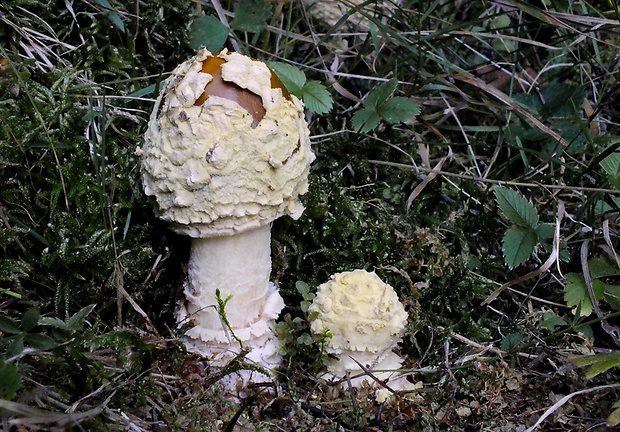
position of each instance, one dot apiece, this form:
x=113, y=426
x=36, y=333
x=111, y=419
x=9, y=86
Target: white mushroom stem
x=239, y=267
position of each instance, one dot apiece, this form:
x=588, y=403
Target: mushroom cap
x=227, y=148
x=361, y=311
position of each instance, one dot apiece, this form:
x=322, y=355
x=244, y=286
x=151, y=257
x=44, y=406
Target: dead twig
x=565, y=399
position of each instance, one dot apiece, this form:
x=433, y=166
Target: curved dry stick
x=565, y=399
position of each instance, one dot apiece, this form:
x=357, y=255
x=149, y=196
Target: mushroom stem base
x=239, y=267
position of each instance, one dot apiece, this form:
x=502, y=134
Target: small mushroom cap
x=361, y=311
x=227, y=148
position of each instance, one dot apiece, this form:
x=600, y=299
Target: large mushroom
x=365, y=319
x=226, y=152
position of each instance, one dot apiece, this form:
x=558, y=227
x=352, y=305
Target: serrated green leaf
x=39, y=341
x=365, y=120
x=316, y=97
x=77, y=319
x=8, y=326
x=550, y=321
x=518, y=244
x=516, y=208
x=292, y=77
x=576, y=293
x=380, y=93
x=209, y=32
x=398, y=109
x=30, y=319
x=560, y=99
x=10, y=380
x=251, y=15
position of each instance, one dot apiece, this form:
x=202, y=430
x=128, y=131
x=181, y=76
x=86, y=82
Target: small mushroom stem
x=239, y=266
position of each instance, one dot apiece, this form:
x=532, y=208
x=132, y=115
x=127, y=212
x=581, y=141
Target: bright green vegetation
x=460, y=146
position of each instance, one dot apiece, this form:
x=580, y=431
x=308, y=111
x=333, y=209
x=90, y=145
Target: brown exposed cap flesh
x=251, y=102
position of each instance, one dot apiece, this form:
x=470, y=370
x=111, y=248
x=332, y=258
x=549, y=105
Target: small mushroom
x=227, y=151
x=365, y=319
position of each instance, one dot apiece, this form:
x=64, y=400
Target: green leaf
x=316, y=97
x=612, y=296
x=8, y=326
x=550, y=321
x=53, y=322
x=398, y=109
x=611, y=164
x=153, y=88
x=209, y=32
x=39, y=341
x=614, y=417
x=372, y=29
x=30, y=319
x=501, y=21
x=305, y=339
x=292, y=77
x=576, y=293
x=516, y=207
x=112, y=16
x=302, y=287
x=77, y=319
x=603, y=266
x=559, y=99
x=598, y=363
x=251, y=15
x=10, y=380
x=380, y=93
x=365, y=120
x=511, y=341
x=545, y=231
x=15, y=348
x=518, y=244
x=586, y=330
